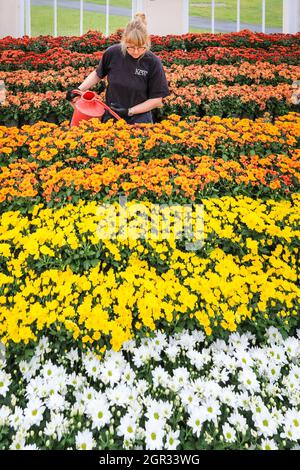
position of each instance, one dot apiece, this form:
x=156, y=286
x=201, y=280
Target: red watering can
x=89, y=106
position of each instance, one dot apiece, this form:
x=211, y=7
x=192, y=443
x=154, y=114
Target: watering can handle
x=110, y=111
x=77, y=92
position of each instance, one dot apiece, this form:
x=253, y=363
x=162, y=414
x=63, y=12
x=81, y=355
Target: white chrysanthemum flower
x=127, y=427
x=128, y=375
x=265, y=424
x=181, y=376
x=58, y=425
x=268, y=444
x=219, y=346
x=212, y=408
x=50, y=370
x=199, y=387
x=156, y=413
x=25, y=369
x=230, y=363
x=5, y=381
x=141, y=386
x=292, y=347
x=243, y=400
x=98, y=410
x=224, y=376
x=277, y=415
x=132, y=396
x=172, y=440
x=43, y=346
x=198, y=336
x=244, y=358
x=49, y=429
x=215, y=375
x=53, y=386
x=257, y=405
x=186, y=341
x=153, y=436
x=142, y=356
x=294, y=373
x=93, y=368
x=118, y=395
x=129, y=346
x=136, y=410
x=76, y=380
x=172, y=351
x=239, y=341
x=196, y=358
x=84, y=440
x=272, y=371
x=17, y=443
x=5, y=413
x=87, y=394
x=238, y=422
x=228, y=433
x=228, y=396
x=116, y=357
x=160, y=377
x=259, y=356
x=188, y=397
x=34, y=388
x=291, y=386
x=167, y=409
x=277, y=353
x=196, y=419
x=56, y=402
x=212, y=389
x=292, y=425
x=273, y=335
x=72, y=355
x=159, y=342
x=34, y=412
x=249, y=380
x=16, y=418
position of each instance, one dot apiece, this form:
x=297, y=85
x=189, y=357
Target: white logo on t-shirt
x=141, y=72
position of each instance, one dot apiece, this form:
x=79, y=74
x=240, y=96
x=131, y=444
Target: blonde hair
x=136, y=33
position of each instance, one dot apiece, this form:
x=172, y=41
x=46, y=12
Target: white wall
x=11, y=18
x=164, y=16
x=291, y=16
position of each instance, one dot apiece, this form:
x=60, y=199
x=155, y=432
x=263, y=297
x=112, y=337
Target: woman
x=136, y=78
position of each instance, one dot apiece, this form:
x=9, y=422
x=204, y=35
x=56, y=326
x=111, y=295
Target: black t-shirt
x=132, y=81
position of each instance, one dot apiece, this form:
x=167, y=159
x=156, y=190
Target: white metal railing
x=238, y=15
x=25, y=15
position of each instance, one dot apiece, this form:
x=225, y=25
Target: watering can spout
x=89, y=106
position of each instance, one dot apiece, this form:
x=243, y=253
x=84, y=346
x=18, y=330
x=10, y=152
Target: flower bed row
x=186, y=98
x=71, y=271
x=94, y=41
x=164, y=392
x=57, y=58
x=179, y=178
x=177, y=75
x=211, y=135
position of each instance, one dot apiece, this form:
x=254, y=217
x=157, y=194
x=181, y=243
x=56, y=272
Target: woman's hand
x=122, y=112
x=71, y=94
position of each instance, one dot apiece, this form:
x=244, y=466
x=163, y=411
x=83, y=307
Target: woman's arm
x=147, y=105
x=91, y=80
